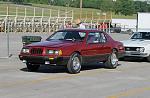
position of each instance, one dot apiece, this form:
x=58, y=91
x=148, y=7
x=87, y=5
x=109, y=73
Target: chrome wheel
x=114, y=59
x=76, y=64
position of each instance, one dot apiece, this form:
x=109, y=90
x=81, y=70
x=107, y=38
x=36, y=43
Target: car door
x=91, y=49
x=104, y=47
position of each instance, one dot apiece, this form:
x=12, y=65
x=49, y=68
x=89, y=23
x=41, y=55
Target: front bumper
x=136, y=54
x=45, y=60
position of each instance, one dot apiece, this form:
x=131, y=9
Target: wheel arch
x=79, y=54
x=116, y=51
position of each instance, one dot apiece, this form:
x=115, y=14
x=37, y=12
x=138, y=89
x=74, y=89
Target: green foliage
x=141, y=7
x=106, y=5
x=124, y=7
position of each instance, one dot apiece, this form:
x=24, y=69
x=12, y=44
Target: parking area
x=15, y=41
x=131, y=79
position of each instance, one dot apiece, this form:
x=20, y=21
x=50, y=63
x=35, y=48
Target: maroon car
x=73, y=48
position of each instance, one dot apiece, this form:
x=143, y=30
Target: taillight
x=121, y=47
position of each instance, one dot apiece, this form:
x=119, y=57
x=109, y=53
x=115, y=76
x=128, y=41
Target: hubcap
x=76, y=63
x=114, y=59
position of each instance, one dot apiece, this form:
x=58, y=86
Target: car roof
x=83, y=30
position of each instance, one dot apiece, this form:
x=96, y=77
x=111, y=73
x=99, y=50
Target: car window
x=59, y=35
x=93, y=37
x=82, y=34
x=137, y=36
x=141, y=35
x=67, y=35
x=102, y=38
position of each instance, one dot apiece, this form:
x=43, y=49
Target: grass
x=86, y=12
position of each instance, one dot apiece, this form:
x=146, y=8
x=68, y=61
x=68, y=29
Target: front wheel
x=32, y=67
x=112, y=61
x=74, y=63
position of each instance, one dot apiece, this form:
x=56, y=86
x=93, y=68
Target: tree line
x=124, y=7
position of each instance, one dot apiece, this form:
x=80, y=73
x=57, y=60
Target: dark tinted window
x=141, y=35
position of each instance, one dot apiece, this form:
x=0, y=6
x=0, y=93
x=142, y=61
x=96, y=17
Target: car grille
x=131, y=48
x=36, y=51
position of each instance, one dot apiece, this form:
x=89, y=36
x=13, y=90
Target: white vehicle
x=138, y=45
x=143, y=21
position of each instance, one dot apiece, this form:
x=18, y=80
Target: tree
x=106, y=5
x=141, y=6
x=124, y=7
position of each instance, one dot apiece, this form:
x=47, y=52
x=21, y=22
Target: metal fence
x=29, y=19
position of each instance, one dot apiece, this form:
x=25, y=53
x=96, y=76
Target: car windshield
x=141, y=35
x=67, y=35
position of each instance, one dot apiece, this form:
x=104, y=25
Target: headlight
x=140, y=49
x=25, y=50
x=55, y=52
x=50, y=51
x=137, y=49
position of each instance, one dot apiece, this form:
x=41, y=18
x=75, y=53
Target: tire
x=32, y=67
x=112, y=61
x=74, y=64
x=148, y=58
x=121, y=59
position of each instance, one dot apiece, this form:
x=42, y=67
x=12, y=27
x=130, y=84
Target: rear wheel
x=74, y=64
x=112, y=61
x=32, y=67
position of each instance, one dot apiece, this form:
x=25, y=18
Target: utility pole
x=81, y=2
x=7, y=31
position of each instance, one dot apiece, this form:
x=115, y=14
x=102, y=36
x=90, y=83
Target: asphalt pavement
x=131, y=79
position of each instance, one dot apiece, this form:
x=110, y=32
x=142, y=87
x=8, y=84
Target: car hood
x=52, y=44
x=136, y=42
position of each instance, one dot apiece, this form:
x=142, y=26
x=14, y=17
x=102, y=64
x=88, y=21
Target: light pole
x=7, y=30
x=81, y=3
